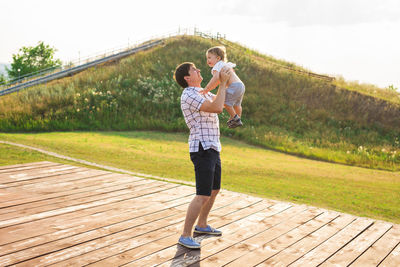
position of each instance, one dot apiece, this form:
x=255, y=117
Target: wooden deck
x=55, y=214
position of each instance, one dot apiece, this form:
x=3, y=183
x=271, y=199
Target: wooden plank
x=23, y=164
x=123, y=252
x=95, y=221
x=297, y=250
x=33, y=229
x=380, y=249
x=89, y=239
x=238, y=253
x=75, y=207
x=6, y=196
x=19, y=185
x=42, y=179
x=26, y=166
x=34, y=190
x=54, y=181
x=7, y=179
x=70, y=209
x=258, y=222
x=19, y=194
x=71, y=182
x=61, y=250
x=266, y=249
x=332, y=245
x=393, y=259
x=85, y=183
x=162, y=233
x=104, y=237
x=359, y=245
x=104, y=193
x=232, y=234
x=159, y=203
x=15, y=174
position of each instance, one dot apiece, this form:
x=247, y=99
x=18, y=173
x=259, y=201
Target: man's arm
x=217, y=105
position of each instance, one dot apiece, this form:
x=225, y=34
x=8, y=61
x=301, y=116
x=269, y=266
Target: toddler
x=217, y=59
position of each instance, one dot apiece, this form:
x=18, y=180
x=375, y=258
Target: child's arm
x=213, y=83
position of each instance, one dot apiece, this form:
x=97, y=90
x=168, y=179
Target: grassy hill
x=283, y=109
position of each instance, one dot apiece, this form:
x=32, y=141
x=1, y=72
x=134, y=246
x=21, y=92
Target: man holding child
x=201, y=115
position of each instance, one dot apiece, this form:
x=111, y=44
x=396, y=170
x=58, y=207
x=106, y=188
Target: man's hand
x=217, y=105
x=225, y=74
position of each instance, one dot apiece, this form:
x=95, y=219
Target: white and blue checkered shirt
x=203, y=126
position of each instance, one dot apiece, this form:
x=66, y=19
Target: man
x=201, y=116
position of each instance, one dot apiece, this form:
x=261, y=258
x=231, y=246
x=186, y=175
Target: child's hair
x=180, y=72
x=218, y=51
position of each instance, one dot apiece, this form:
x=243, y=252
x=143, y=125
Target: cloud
x=314, y=12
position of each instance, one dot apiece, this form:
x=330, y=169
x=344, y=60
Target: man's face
x=195, y=75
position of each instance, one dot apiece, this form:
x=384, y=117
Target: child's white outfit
x=235, y=91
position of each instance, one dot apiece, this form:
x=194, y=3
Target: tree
x=3, y=79
x=32, y=59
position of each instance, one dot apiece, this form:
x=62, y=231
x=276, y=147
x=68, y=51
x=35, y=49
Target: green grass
x=282, y=110
x=246, y=168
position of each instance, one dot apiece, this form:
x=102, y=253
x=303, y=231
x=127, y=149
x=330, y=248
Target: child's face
x=212, y=59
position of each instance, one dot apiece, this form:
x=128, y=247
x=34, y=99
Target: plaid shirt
x=203, y=126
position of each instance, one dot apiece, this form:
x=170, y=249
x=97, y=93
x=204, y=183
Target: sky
x=356, y=39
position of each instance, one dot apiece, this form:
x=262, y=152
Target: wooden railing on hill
x=70, y=70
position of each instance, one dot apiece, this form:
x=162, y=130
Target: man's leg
x=208, y=172
x=206, y=208
x=193, y=212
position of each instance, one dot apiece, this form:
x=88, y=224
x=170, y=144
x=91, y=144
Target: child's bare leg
x=231, y=111
x=238, y=110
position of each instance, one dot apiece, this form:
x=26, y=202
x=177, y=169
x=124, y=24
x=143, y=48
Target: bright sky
x=358, y=39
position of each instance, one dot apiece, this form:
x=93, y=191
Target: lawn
x=247, y=169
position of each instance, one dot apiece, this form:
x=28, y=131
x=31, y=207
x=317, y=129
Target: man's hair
x=218, y=51
x=181, y=71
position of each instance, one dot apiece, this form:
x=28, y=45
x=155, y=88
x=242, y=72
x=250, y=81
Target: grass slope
x=282, y=110
x=247, y=169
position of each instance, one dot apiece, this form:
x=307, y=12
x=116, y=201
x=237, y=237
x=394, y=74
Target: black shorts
x=207, y=166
